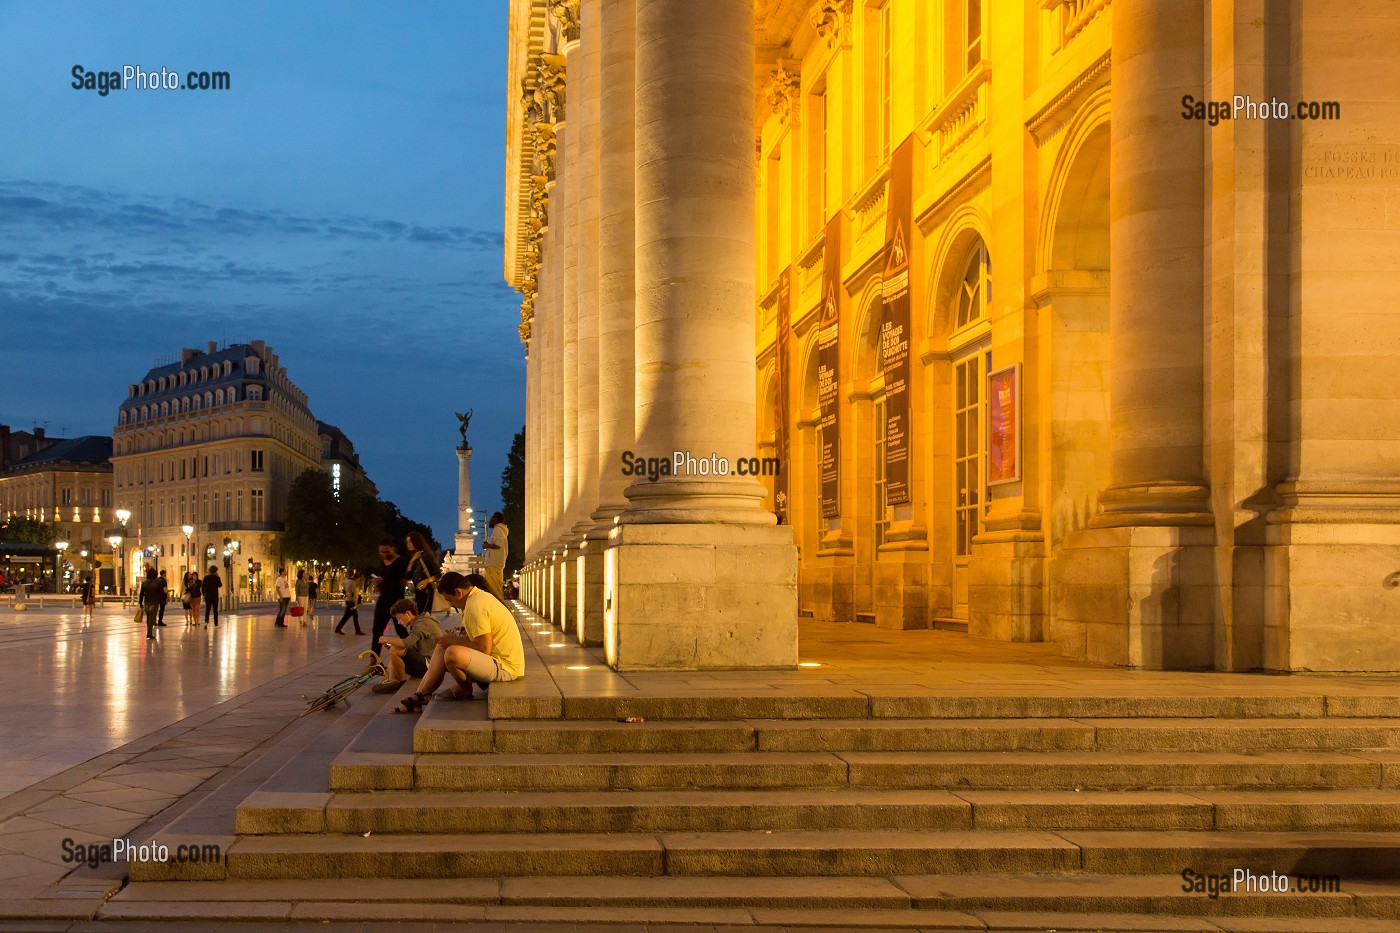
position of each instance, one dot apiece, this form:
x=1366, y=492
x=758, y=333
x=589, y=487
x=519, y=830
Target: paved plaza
x=115, y=738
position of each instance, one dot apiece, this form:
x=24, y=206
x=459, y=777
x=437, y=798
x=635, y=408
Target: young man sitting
x=408, y=656
x=489, y=651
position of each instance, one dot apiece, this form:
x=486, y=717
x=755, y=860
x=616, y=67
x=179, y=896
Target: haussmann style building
x=213, y=441
x=1067, y=321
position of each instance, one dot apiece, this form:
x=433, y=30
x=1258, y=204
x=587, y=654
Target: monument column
x=699, y=575
x=464, y=541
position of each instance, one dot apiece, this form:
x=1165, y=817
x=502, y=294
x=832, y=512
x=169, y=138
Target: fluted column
x=1156, y=323
x=698, y=575
x=616, y=256
x=695, y=196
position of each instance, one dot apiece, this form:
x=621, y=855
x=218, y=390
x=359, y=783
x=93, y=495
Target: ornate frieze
x=545, y=147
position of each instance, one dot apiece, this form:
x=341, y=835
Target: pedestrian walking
x=352, y=603
x=313, y=592
x=391, y=577
x=88, y=592
x=193, y=591
x=148, y=597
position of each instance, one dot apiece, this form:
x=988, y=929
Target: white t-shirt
x=485, y=613
x=283, y=591
x=496, y=557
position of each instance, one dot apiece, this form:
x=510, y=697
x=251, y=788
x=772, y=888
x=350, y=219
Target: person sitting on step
x=408, y=655
x=489, y=651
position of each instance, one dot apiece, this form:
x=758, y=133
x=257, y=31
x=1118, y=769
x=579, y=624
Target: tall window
x=256, y=461
x=972, y=35
x=976, y=287
x=255, y=502
x=967, y=452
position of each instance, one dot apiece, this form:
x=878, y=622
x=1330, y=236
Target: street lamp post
x=115, y=540
x=123, y=516
x=189, y=554
x=230, y=590
x=62, y=548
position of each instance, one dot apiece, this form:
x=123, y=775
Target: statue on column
x=464, y=421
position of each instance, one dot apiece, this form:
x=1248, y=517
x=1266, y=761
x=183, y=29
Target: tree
x=513, y=497
x=312, y=519
x=29, y=531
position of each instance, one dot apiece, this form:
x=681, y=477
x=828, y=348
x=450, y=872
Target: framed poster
x=1004, y=425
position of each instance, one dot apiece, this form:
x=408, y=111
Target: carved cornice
x=832, y=19
x=1050, y=118
x=783, y=87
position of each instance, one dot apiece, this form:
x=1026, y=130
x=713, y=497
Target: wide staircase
x=1071, y=812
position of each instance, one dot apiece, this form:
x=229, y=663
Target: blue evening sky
x=342, y=201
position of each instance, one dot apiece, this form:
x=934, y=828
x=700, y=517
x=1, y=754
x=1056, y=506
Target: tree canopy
x=342, y=530
x=513, y=497
x=28, y=531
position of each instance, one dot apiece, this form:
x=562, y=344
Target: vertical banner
x=780, y=379
x=828, y=370
x=894, y=329
x=1004, y=425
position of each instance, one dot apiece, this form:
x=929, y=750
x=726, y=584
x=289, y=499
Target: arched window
x=208, y=399
x=975, y=289
x=164, y=409
x=219, y=397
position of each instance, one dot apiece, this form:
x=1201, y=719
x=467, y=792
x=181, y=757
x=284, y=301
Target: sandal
x=414, y=703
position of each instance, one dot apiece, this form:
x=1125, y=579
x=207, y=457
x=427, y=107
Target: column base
x=1006, y=586
x=700, y=597
x=1137, y=596
x=588, y=573
x=1332, y=590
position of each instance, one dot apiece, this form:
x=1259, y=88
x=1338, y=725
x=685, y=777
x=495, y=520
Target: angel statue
x=465, y=420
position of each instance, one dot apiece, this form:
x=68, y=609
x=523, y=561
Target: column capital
x=565, y=13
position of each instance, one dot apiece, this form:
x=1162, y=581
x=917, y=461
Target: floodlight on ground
x=558, y=644
x=578, y=667
x=808, y=664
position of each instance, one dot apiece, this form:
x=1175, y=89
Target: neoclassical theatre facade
x=1057, y=325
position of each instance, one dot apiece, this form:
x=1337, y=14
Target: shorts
x=483, y=668
x=414, y=663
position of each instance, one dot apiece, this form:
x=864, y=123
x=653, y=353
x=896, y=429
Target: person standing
x=496, y=548
x=352, y=603
x=211, y=586
x=164, y=598
x=149, y=598
x=313, y=590
x=89, y=595
x=193, y=591
x=283, y=592
x=391, y=577
x=423, y=569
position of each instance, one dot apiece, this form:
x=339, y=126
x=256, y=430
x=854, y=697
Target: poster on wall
x=828, y=371
x=1004, y=425
x=894, y=328
x=780, y=380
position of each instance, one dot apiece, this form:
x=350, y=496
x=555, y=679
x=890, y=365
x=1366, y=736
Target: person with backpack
x=149, y=600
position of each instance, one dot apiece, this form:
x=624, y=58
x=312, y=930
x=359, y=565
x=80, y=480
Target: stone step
x=864, y=808
x=1064, y=770
x=793, y=853
x=810, y=702
x=443, y=732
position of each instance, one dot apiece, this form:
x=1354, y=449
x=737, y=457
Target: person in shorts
x=489, y=650
x=408, y=656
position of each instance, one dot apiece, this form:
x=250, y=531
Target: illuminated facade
x=213, y=441
x=64, y=482
x=1042, y=354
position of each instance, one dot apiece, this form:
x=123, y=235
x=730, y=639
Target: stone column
x=1137, y=586
x=698, y=573
x=568, y=169
x=587, y=623
x=616, y=290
